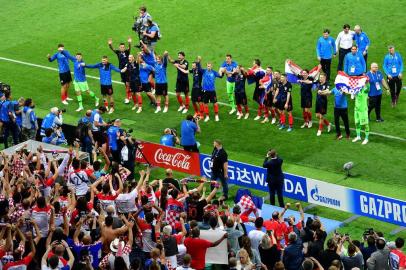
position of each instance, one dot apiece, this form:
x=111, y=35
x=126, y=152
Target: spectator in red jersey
x=397, y=258
x=197, y=248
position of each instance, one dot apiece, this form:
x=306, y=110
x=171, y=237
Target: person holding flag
x=326, y=50
x=361, y=114
x=79, y=81
x=323, y=89
x=255, y=74
x=228, y=67
x=354, y=62
x=265, y=86
x=283, y=101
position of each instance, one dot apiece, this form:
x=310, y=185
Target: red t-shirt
x=197, y=248
x=397, y=258
x=21, y=263
x=277, y=228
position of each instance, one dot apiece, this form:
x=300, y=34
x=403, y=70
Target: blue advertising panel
x=250, y=176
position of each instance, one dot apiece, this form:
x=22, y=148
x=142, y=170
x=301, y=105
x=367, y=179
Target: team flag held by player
x=292, y=71
x=350, y=84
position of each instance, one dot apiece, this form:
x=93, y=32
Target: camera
x=368, y=232
x=174, y=132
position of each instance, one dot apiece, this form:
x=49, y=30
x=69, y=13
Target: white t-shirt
x=125, y=203
x=255, y=236
x=80, y=181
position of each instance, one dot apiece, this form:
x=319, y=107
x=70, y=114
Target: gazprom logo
x=314, y=193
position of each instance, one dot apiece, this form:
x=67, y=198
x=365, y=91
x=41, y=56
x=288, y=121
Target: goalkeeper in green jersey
x=361, y=114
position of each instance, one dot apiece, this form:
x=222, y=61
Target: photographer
x=170, y=138
x=151, y=34
x=84, y=133
x=141, y=21
x=52, y=119
x=54, y=136
x=188, y=129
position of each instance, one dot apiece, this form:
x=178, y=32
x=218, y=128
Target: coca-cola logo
x=178, y=160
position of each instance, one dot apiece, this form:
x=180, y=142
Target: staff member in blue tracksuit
x=51, y=120
x=340, y=110
x=64, y=72
x=376, y=83
x=354, y=62
x=362, y=41
x=106, y=86
x=326, y=50
x=393, y=67
x=8, y=118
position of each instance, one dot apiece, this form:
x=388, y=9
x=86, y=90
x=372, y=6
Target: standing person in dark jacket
x=274, y=176
x=219, y=169
x=293, y=254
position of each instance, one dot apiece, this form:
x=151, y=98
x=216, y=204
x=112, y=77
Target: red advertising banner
x=169, y=157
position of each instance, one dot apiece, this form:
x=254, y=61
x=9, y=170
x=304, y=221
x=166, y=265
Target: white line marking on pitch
x=172, y=93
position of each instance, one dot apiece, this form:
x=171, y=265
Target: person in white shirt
x=256, y=235
x=344, y=44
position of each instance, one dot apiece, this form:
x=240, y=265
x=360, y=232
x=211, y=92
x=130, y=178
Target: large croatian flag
x=292, y=71
x=350, y=84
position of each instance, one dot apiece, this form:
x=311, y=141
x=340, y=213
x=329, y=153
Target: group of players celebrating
x=147, y=72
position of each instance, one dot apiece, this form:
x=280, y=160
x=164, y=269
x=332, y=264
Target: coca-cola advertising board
x=169, y=157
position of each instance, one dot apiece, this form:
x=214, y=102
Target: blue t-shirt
x=145, y=70
x=6, y=107
x=209, y=80
x=168, y=140
x=375, y=83
x=112, y=134
x=187, y=131
x=229, y=68
x=94, y=252
x=340, y=99
x=149, y=58
x=160, y=71
x=63, y=62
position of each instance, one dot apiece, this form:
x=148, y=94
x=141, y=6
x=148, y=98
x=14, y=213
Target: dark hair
x=28, y=102
x=149, y=217
x=122, y=43
x=259, y=222
x=351, y=249
x=380, y=243
x=189, y=117
x=106, y=188
x=41, y=202
x=399, y=242
x=78, y=53
x=53, y=261
x=96, y=165
x=326, y=31
x=163, y=201
x=269, y=67
x=371, y=240
x=331, y=244
x=213, y=222
x=7, y=94
x=76, y=163
x=346, y=26
x=354, y=46
x=257, y=62
x=229, y=55
x=174, y=193
x=143, y=8
x=60, y=45
x=182, y=53
x=195, y=232
x=103, y=109
x=104, y=57
x=48, y=132
x=108, y=221
x=307, y=71
x=119, y=263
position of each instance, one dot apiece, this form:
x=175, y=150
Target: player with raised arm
x=122, y=54
x=182, y=82
x=79, y=78
x=106, y=87
x=64, y=72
